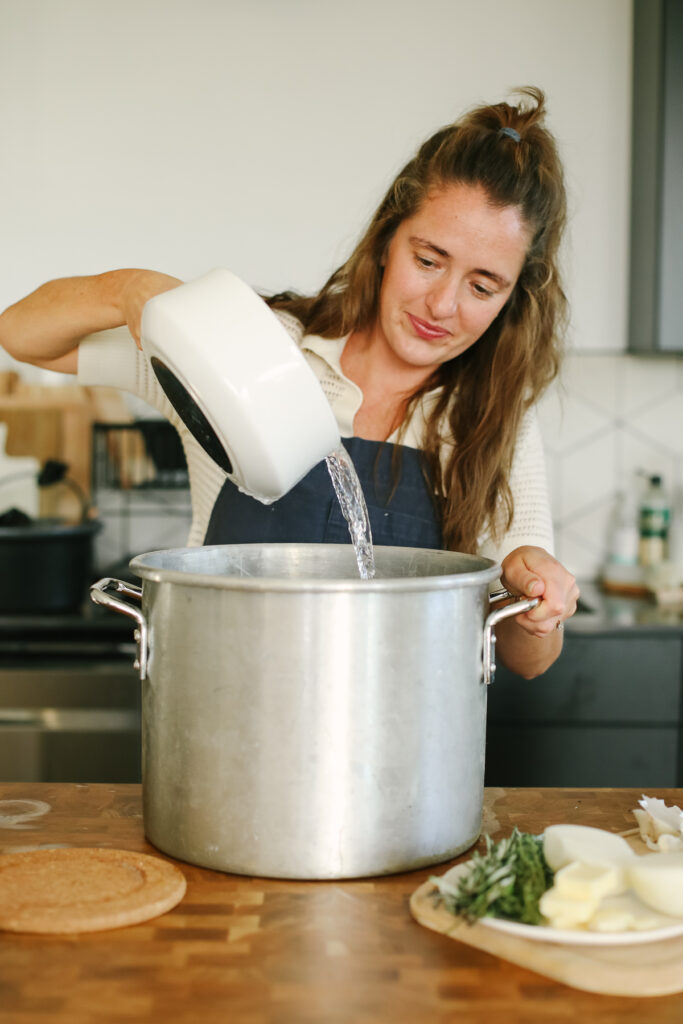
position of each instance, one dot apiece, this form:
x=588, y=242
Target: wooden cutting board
x=52, y=422
x=642, y=969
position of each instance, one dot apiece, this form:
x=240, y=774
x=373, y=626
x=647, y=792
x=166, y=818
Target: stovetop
x=89, y=631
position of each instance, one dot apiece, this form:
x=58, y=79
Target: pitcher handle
x=492, y=620
x=100, y=594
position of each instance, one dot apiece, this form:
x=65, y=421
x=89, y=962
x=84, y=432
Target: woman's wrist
x=135, y=288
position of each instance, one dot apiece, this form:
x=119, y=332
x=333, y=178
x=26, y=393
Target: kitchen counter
x=260, y=951
x=602, y=612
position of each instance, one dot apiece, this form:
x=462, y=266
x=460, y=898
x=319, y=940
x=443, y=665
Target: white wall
x=260, y=134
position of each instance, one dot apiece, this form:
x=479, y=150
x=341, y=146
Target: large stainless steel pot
x=299, y=722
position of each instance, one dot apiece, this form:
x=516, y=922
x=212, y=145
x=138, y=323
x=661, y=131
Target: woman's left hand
x=532, y=572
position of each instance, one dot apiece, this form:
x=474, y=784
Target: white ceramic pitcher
x=239, y=382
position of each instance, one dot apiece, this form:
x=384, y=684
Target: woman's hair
x=484, y=391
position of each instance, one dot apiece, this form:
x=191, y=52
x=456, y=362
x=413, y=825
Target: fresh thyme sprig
x=507, y=881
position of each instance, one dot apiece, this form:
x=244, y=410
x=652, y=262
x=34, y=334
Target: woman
x=432, y=342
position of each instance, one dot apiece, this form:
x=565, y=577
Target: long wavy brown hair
x=486, y=390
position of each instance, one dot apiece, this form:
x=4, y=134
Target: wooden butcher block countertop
x=252, y=951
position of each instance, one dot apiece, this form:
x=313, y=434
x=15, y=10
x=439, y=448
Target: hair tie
x=511, y=133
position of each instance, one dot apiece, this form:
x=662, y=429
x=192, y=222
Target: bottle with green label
x=654, y=520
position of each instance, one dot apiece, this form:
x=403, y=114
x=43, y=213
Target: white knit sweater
x=110, y=359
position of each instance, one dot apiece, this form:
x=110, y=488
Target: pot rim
x=487, y=571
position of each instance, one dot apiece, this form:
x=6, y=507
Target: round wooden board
x=79, y=889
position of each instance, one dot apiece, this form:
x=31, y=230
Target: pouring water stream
x=350, y=496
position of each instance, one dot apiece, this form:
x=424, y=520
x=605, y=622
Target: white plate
x=542, y=933
x=578, y=937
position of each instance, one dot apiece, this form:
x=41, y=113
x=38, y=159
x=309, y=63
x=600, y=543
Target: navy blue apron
x=310, y=512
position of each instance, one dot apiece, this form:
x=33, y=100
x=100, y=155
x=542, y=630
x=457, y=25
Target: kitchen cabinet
x=69, y=698
x=656, y=267
x=70, y=722
x=607, y=713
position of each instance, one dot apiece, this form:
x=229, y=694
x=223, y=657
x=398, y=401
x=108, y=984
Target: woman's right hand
x=138, y=288
x=46, y=327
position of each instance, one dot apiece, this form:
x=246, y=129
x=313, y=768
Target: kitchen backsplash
x=605, y=419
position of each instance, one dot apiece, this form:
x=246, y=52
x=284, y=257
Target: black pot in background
x=46, y=565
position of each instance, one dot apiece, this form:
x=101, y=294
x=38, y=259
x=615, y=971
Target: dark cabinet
x=76, y=720
x=607, y=713
x=656, y=268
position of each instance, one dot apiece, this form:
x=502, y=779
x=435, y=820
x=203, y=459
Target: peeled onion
x=657, y=879
x=563, y=844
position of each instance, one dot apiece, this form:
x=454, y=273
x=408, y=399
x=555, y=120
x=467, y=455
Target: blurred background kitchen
x=259, y=136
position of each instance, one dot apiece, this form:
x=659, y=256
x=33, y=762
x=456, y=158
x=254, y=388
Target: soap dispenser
x=654, y=520
x=624, y=530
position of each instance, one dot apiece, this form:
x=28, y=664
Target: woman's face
x=448, y=272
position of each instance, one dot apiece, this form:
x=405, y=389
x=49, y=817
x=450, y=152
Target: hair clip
x=512, y=133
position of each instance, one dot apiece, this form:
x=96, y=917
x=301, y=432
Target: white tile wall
x=605, y=419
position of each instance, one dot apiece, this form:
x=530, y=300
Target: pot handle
x=99, y=593
x=492, y=620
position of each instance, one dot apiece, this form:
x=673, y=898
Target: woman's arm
x=529, y=643
x=46, y=327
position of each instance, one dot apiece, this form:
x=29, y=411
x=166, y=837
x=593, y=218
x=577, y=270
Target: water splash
x=350, y=495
